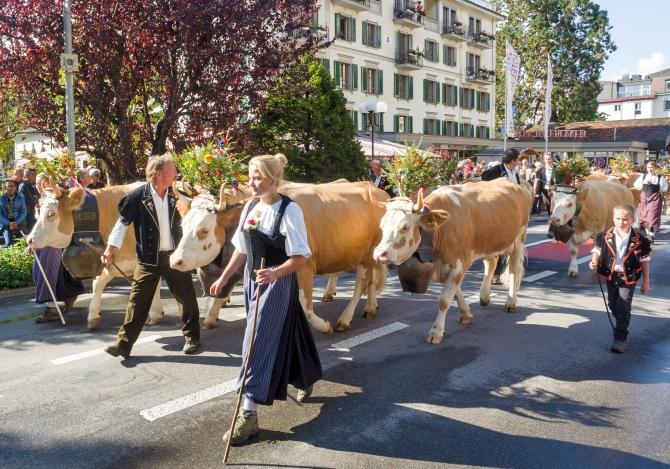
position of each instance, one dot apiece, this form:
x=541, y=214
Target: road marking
x=189, y=400
x=347, y=344
x=98, y=351
x=544, y=241
x=471, y=299
x=538, y=276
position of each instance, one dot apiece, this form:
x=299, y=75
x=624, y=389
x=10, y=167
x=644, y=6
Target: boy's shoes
x=49, y=314
x=191, y=346
x=246, y=427
x=303, y=394
x=618, y=346
x=115, y=351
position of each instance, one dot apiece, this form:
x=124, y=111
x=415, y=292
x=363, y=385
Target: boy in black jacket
x=621, y=256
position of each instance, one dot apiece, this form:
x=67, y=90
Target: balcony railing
x=403, y=10
x=358, y=5
x=407, y=58
x=480, y=74
x=480, y=38
x=457, y=31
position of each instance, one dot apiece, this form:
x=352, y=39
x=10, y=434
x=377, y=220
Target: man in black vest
x=151, y=208
x=544, y=181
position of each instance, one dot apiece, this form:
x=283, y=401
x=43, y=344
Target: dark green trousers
x=145, y=281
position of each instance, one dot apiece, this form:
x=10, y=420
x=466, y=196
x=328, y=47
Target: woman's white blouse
x=649, y=179
x=292, y=226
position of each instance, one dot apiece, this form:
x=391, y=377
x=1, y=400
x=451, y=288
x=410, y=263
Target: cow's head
x=205, y=222
x=400, y=228
x=564, y=204
x=55, y=224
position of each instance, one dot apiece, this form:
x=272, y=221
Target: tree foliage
x=306, y=119
x=576, y=34
x=150, y=72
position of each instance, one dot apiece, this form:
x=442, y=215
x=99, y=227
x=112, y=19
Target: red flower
x=251, y=222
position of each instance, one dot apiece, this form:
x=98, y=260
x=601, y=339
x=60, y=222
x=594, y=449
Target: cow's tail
x=516, y=261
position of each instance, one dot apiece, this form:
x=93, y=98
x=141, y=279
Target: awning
x=383, y=148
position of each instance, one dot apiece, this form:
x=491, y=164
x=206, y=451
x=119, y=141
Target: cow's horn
x=419, y=201
x=181, y=196
x=54, y=187
x=222, y=198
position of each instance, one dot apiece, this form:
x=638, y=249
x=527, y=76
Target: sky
x=638, y=31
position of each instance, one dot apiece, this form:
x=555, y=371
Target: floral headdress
x=621, y=165
x=571, y=171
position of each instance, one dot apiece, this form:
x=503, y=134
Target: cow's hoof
x=327, y=297
x=465, y=321
x=210, y=324
x=341, y=327
x=93, y=323
x=510, y=308
x=154, y=321
x=434, y=339
x=484, y=302
x=572, y=273
x=370, y=314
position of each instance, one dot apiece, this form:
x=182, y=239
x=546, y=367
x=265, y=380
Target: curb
x=14, y=292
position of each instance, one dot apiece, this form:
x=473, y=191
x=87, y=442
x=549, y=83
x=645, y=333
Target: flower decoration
x=621, y=165
x=60, y=167
x=253, y=220
x=212, y=164
x=411, y=170
x=571, y=171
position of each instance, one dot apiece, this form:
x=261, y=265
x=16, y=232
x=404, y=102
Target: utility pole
x=70, y=64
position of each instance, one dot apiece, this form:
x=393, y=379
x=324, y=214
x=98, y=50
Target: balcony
x=454, y=31
x=480, y=76
x=318, y=34
x=480, y=39
x=356, y=5
x=404, y=15
x=409, y=60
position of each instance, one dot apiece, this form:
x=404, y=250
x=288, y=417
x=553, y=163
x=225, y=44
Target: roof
x=654, y=132
x=659, y=73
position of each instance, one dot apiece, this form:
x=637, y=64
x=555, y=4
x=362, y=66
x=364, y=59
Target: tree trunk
x=159, y=145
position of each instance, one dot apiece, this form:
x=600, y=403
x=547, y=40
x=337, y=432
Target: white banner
x=512, y=65
x=547, y=98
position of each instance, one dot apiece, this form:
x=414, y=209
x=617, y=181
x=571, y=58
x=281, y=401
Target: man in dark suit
x=544, y=181
x=375, y=175
x=151, y=208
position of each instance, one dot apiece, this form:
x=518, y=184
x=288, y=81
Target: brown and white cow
x=588, y=209
x=55, y=226
x=470, y=222
x=342, y=229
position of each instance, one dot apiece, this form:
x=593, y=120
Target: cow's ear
x=75, y=198
x=433, y=219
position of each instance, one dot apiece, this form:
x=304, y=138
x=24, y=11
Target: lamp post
x=371, y=108
x=69, y=64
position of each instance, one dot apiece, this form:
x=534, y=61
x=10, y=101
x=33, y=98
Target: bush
x=16, y=266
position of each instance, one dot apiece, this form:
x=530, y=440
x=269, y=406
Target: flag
x=512, y=65
x=547, y=98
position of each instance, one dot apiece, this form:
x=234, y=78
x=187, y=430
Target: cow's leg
x=344, y=320
x=156, y=310
x=306, y=288
x=99, y=284
x=214, y=305
x=331, y=289
x=515, y=271
x=485, y=290
x=574, y=250
x=451, y=286
x=464, y=307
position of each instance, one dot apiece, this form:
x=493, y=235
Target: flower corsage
x=253, y=220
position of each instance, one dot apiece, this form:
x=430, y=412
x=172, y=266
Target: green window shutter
x=354, y=69
x=381, y=122
x=380, y=77
x=444, y=54
x=461, y=93
x=472, y=99
x=426, y=43
x=425, y=89
x=364, y=79
x=378, y=36
x=477, y=100
x=355, y=120
x=455, y=124
x=425, y=125
x=396, y=85
x=396, y=124
x=437, y=91
x=411, y=124
x=488, y=132
x=444, y=127
x=353, y=30
x=326, y=63
x=411, y=87
x=337, y=73
x=488, y=102
x=444, y=93
x=365, y=32
x=337, y=25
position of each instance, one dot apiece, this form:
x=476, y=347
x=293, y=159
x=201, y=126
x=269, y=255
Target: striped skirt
x=284, y=350
x=50, y=258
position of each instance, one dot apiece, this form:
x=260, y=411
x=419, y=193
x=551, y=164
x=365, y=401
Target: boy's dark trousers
x=620, y=299
x=145, y=282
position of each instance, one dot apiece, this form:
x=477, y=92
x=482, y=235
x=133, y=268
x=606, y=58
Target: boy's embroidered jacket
x=637, y=251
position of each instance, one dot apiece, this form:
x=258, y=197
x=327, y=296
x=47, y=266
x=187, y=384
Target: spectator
x=378, y=179
x=17, y=176
x=543, y=183
x=30, y=195
x=12, y=212
x=419, y=8
x=653, y=186
x=96, y=183
x=83, y=179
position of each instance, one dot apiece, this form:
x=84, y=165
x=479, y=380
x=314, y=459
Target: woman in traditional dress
x=653, y=185
x=271, y=227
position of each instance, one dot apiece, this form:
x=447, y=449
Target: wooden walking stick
x=244, y=373
x=46, y=280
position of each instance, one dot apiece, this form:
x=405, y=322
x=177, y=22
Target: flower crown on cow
x=571, y=171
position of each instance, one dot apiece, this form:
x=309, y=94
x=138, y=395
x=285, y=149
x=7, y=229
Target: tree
x=150, y=72
x=10, y=116
x=306, y=119
x=576, y=34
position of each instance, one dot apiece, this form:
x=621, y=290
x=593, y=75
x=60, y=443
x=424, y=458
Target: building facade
x=635, y=97
x=434, y=68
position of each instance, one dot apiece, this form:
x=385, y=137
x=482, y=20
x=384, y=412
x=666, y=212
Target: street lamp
x=372, y=107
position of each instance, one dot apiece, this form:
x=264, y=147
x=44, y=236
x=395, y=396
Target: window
x=472, y=65
x=345, y=28
x=353, y=115
x=404, y=43
x=346, y=75
x=402, y=124
x=450, y=128
x=403, y=86
x=667, y=85
x=449, y=94
x=372, y=80
x=379, y=121
x=638, y=108
x=467, y=98
x=666, y=105
x=431, y=91
x=475, y=25
x=372, y=35
x=448, y=17
x=449, y=55
x=617, y=107
x=431, y=126
x=483, y=101
x=482, y=131
x=432, y=51
x=467, y=130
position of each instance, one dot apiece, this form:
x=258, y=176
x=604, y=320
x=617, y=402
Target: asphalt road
x=534, y=388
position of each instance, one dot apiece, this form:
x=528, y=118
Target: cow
x=342, y=229
x=55, y=226
x=587, y=209
x=470, y=222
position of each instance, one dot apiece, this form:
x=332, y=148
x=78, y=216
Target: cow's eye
x=51, y=215
x=202, y=234
x=404, y=228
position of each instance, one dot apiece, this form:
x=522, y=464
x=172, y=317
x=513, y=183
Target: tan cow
x=470, y=222
x=55, y=226
x=587, y=208
x=342, y=229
